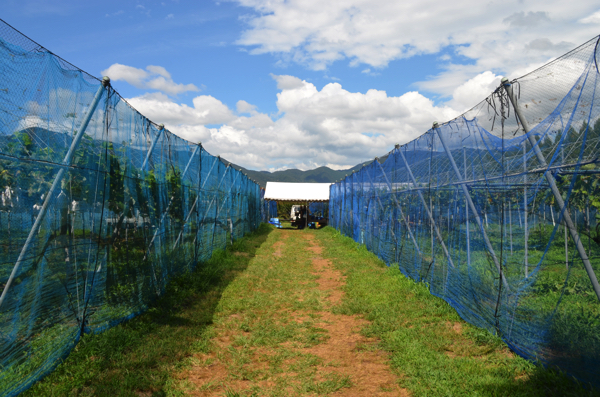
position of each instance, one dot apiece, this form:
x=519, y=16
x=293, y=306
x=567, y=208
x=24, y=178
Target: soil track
x=344, y=362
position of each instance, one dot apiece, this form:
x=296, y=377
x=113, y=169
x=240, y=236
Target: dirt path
x=367, y=367
x=276, y=332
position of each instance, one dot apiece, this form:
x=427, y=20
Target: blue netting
x=469, y=208
x=319, y=209
x=99, y=208
x=269, y=209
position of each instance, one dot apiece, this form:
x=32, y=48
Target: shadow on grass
x=540, y=381
x=137, y=357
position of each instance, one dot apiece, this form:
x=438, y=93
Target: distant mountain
x=318, y=175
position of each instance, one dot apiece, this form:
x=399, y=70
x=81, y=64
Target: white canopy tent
x=307, y=192
x=286, y=191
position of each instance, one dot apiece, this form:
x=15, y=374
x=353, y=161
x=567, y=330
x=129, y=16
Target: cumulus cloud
x=153, y=77
x=314, y=127
x=473, y=90
x=375, y=32
x=594, y=18
x=244, y=107
x=546, y=45
x=527, y=20
x=287, y=82
x=206, y=110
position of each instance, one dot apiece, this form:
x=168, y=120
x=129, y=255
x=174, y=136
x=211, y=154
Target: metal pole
x=437, y=232
x=562, y=161
x=343, y=206
x=400, y=208
x=471, y=204
x=187, y=218
x=525, y=209
x=217, y=214
x=510, y=225
x=306, y=214
x=467, y=212
x=228, y=193
x=431, y=224
x=56, y=183
x=554, y=188
x=378, y=200
x=164, y=214
x=161, y=127
x=226, y=197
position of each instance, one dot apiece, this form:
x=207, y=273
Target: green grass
x=269, y=315
x=269, y=312
x=138, y=357
x=552, y=296
x=416, y=328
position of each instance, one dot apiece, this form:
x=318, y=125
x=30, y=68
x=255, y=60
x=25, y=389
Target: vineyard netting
x=99, y=208
x=498, y=211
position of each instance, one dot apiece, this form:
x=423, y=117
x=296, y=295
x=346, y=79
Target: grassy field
x=435, y=351
x=288, y=312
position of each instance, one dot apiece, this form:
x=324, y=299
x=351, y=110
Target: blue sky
x=304, y=83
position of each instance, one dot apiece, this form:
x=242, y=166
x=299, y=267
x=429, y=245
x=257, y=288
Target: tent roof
x=284, y=191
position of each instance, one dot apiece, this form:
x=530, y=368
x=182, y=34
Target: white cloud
x=158, y=70
x=170, y=16
x=313, y=127
x=205, y=110
x=154, y=77
x=594, y=18
x=544, y=45
x=375, y=32
x=244, y=107
x=134, y=76
x=287, y=82
x=527, y=20
x=115, y=14
x=368, y=71
x=474, y=90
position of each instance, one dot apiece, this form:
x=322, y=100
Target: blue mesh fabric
x=319, y=210
x=509, y=262
x=269, y=209
x=108, y=228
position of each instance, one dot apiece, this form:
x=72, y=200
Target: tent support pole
x=306, y=220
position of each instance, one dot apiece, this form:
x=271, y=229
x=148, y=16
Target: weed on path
x=434, y=352
x=275, y=332
x=298, y=313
